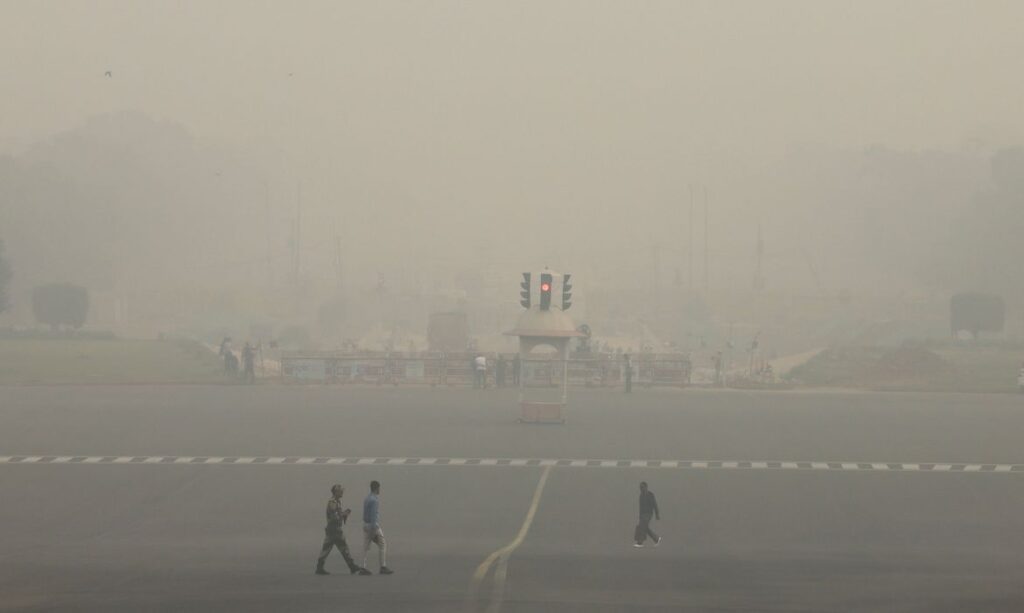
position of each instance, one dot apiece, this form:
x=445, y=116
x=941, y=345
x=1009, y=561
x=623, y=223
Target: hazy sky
x=470, y=75
x=395, y=115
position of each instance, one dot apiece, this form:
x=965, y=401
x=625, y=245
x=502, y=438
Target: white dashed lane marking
x=837, y=466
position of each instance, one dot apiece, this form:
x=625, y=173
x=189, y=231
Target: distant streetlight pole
x=689, y=244
x=297, y=255
x=706, y=249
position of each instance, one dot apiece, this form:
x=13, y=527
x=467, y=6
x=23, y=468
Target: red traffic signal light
x=545, y=291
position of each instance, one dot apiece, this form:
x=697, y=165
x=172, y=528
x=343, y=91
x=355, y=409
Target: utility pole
x=266, y=226
x=297, y=253
x=689, y=244
x=339, y=275
x=656, y=269
x=758, y=272
x=706, y=249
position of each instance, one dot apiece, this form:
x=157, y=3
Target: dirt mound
x=910, y=361
x=870, y=367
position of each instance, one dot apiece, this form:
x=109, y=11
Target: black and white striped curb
x=520, y=462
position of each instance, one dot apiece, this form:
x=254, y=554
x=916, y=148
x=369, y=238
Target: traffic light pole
x=544, y=324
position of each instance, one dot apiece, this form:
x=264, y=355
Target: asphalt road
x=170, y=536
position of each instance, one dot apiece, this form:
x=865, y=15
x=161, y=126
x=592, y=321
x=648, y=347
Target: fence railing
x=503, y=370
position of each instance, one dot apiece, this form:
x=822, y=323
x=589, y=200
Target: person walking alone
x=480, y=372
x=499, y=371
x=628, y=368
x=333, y=536
x=249, y=363
x=371, y=529
x=648, y=508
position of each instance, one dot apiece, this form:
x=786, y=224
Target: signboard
x=414, y=369
x=306, y=369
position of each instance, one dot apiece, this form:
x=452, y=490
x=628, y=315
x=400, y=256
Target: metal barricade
x=457, y=369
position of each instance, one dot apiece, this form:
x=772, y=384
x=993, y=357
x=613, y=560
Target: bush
x=976, y=313
x=60, y=304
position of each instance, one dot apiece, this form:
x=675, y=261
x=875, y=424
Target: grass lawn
x=50, y=361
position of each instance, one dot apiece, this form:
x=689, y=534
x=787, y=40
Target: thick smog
x=511, y=306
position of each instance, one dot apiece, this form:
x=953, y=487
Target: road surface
x=211, y=498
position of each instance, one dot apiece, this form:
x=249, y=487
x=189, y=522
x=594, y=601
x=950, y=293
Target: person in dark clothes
x=227, y=355
x=517, y=369
x=231, y=363
x=648, y=509
x=249, y=363
x=499, y=372
x=628, y=374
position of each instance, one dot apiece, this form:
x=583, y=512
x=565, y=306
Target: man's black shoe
x=320, y=571
x=361, y=572
x=384, y=570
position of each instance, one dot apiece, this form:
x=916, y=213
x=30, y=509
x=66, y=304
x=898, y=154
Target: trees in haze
x=985, y=247
x=870, y=217
x=124, y=200
x=61, y=304
x=976, y=313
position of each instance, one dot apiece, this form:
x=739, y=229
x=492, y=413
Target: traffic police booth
x=544, y=324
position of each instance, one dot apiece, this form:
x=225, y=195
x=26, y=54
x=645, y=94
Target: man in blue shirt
x=371, y=528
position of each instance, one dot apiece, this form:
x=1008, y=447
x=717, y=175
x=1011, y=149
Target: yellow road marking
x=504, y=553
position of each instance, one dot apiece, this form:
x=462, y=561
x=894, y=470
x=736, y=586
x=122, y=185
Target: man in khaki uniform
x=333, y=536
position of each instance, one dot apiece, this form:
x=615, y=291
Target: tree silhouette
x=60, y=304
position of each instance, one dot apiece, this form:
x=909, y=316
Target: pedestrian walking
x=499, y=372
x=249, y=363
x=231, y=364
x=372, y=534
x=479, y=372
x=648, y=509
x=628, y=374
x=227, y=355
x=334, y=537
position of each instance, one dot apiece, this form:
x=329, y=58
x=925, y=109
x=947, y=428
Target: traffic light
x=566, y=292
x=545, y=291
x=525, y=292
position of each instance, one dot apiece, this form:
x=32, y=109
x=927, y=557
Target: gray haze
x=250, y=249
x=443, y=147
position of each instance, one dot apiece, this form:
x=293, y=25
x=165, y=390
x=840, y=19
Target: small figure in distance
x=333, y=536
x=371, y=528
x=225, y=352
x=648, y=508
x=499, y=371
x=480, y=372
x=249, y=363
x=628, y=374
